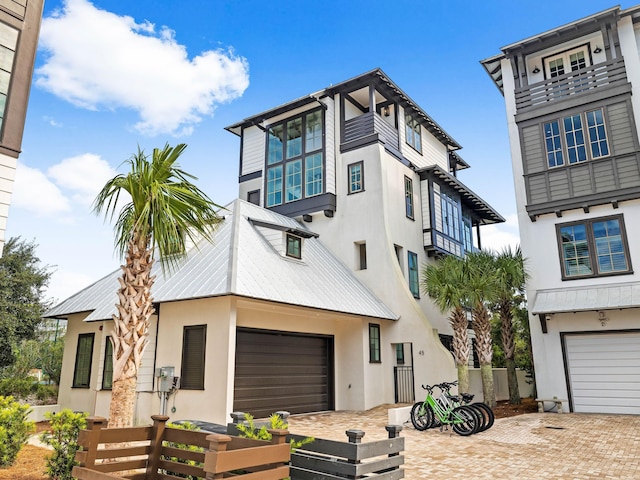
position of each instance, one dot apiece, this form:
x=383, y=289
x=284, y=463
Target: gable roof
x=241, y=261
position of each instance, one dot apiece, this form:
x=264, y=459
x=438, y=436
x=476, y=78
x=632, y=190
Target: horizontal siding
x=330, y=150
x=253, y=150
x=620, y=129
x=538, y=189
x=437, y=206
x=274, y=237
x=558, y=184
x=424, y=201
x=628, y=172
x=146, y=371
x=604, y=178
x=532, y=145
x=18, y=8
x=581, y=180
x=433, y=151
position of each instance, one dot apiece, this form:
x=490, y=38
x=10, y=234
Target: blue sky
x=111, y=76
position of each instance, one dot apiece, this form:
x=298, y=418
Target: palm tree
x=444, y=282
x=511, y=275
x=481, y=288
x=165, y=210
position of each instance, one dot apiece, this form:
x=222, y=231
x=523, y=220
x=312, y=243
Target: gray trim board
x=318, y=203
x=249, y=176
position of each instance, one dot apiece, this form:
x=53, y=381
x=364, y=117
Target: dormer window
x=294, y=246
x=295, y=162
x=565, y=62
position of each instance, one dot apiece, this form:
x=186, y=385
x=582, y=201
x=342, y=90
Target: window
x=450, y=216
x=414, y=283
x=399, y=354
x=412, y=132
x=567, y=139
x=374, y=343
x=254, y=197
x=295, y=165
x=193, y=357
x=362, y=256
x=398, y=250
x=594, y=247
x=468, y=234
x=565, y=62
x=356, y=177
x=107, y=371
x=8, y=44
x=84, y=354
x=408, y=197
x=294, y=246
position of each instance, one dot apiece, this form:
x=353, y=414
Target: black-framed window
x=450, y=216
x=362, y=256
x=412, y=132
x=575, y=138
x=84, y=356
x=356, y=177
x=594, y=247
x=294, y=246
x=193, y=357
x=399, y=353
x=107, y=370
x=295, y=158
x=254, y=197
x=374, y=343
x=408, y=197
x=414, y=281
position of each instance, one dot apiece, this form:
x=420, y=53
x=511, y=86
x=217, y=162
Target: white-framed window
x=567, y=141
x=355, y=173
x=412, y=132
x=295, y=159
x=568, y=61
x=594, y=247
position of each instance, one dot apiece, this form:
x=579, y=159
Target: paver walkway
x=526, y=447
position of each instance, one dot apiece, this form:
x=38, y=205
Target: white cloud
x=34, y=192
x=51, y=121
x=498, y=236
x=97, y=59
x=84, y=174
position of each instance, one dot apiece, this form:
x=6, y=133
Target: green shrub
x=16, y=387
x=14, y=429
x=46, y=392
x=182, y=446
x=63, y=438
x=250, y=430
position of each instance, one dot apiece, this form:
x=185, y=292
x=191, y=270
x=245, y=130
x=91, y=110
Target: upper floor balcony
x=544, y=97
x=362, y=129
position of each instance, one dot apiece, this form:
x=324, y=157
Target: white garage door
x=604, y=372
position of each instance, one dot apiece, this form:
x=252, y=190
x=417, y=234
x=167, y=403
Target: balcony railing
x=581, y=81
x=368, y=124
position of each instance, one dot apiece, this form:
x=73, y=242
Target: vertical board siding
x=330, y=146
x=620, y=128
x=253, y=150
x=437, y=206
x=533, y=146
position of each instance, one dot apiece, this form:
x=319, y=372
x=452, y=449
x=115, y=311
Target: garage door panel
x=604, y=372
x=282, y=371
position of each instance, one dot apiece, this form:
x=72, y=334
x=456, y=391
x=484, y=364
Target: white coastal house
x=572, y=98
x=309, y=298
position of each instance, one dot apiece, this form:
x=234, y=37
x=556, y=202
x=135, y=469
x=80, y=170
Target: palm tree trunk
x=131, y=330
x=458, y=321
x=508, y=346
x=482, y=329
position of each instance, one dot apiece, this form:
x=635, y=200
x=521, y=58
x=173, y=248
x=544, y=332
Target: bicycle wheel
x=480, y=416
x=421, y=416
x=487, y=413
x=464, y=420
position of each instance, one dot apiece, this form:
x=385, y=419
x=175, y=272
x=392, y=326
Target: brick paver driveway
x=531, y=446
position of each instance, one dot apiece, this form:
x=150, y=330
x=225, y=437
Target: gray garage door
x=281, y=371
x=604, y=372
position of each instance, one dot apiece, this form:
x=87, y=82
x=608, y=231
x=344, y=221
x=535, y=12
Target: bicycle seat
x=467, y=397
x=454, y=398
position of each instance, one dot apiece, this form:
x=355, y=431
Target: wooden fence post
x=94, y=425
x=217, y=443
x=155, y=447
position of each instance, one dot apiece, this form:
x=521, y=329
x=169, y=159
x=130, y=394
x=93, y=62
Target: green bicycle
x=463, y=419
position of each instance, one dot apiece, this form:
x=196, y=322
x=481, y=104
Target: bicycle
x=482, y=408
x=463, y=419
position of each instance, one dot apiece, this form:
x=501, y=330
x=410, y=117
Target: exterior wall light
x=597, y=49
x=535, y=70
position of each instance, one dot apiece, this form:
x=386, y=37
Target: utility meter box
x=165, y=378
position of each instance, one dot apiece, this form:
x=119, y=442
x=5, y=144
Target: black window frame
x=350, y=189
x=189, y=354
x=409, y=204
x=588, y=223
x=289, y=238
x=375, y=355
x=80, y=369
x=107, y=366
x=305, y=154
x=362, y=256
x=254, y=197
x=414, y=284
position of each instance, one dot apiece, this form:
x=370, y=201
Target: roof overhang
x=584, y=299
x=283, y=228
x=481, y=208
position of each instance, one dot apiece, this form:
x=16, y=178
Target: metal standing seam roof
x=582, y=299
x=240, y=261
